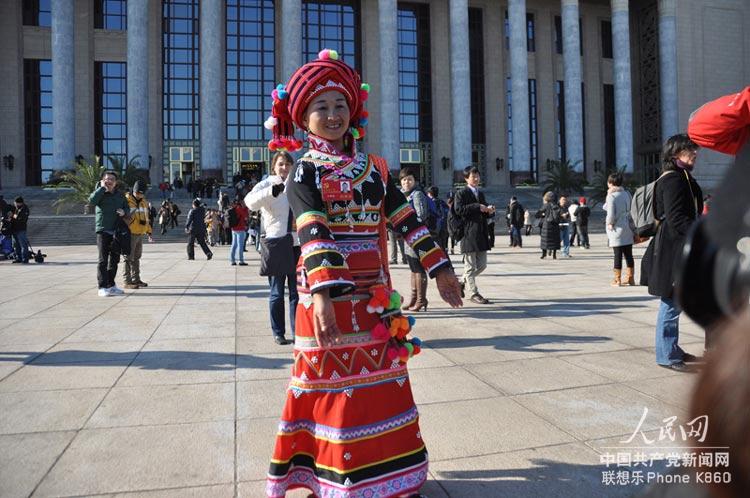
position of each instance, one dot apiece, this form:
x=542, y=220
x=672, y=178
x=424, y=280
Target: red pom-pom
x=392, y=354
x=364, y=95
x=417, y=350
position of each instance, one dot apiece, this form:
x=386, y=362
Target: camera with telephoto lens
x=713, y=275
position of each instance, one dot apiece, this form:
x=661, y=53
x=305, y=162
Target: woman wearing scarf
x=349, y=425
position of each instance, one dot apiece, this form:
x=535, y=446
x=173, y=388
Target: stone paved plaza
x=175, y=390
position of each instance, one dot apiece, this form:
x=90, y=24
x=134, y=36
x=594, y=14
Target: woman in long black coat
x=679, y=201
x=550, y=217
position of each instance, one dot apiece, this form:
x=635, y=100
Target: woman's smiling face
x=328, y=117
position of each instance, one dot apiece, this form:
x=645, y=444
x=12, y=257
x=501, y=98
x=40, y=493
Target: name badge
x=334, y=189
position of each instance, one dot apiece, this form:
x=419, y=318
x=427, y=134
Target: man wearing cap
x=139, y=225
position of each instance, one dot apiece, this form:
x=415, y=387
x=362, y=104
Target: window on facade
x=111, y=110
x=37, y=13
x=414, y=81
x=111, y=14
x=559, y=35
x=530, y=32
x=38, y=120
x=533, y=135
x=560, y=118
x=331, y=24
x=476, y=71
x=607, y=39
x=609, y=126
x=181, y=83
x=250, y=67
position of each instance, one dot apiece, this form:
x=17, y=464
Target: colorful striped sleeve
x=405, y=222
x=324, y=266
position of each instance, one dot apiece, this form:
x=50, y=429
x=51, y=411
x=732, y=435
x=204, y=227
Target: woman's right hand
x=326, y=330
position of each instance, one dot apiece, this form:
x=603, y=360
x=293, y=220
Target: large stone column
x=519, y=85
x=460, y=84
x=213, y=124
x=390, y=139
x=63, y=83
x=137, y=82
x=572, y=74
x=291, y=37
x=623, y=92
x=668, y=68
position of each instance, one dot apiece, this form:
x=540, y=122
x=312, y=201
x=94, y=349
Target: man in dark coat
x=515, y=221
x=196, y=227
x=472, y=207
x=679, y=201
x=549, y=215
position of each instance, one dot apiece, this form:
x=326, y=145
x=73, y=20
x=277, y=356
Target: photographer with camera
x=140, y=225
x=678, y=203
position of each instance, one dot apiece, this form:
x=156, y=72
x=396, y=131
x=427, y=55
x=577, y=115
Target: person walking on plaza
x=19, y=224
x=195, y=227
x=575, y=241
x=280, y=246
x=238, y=215
x=619, y=229
x=564, y=226
x=472, y=207
x=140, y=225
x=345, y=376
x=549, y=215
x=527, y=222
x=417, y=200
x=174, y=213
x=213, y=225
x=515, y=217
x=583, y=213
x=151, y=216
x=678, y=201
x=110, y=205
x=165, y=217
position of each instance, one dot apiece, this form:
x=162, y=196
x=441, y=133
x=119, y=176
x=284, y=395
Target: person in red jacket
x=238, y=216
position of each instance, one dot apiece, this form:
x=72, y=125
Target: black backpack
x=233, y=218
x=455, y=223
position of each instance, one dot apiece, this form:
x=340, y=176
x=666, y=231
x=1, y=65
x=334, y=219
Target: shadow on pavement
x=525, y=343
x=147, y=360
x=543, y=478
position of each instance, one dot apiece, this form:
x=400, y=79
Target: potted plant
x=562, y=178
x=82, y=180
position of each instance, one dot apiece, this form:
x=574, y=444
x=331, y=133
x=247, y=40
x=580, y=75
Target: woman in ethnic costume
x=349, y=427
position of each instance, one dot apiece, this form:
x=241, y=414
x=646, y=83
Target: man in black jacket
x=19, y=223
x=471, y=206
x=196, y=227
x=515, y=221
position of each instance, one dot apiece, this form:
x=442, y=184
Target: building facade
x=182, y=87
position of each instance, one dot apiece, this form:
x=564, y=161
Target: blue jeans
x=238, y=243
x=276, y=301
x=668, y=351
x=515, y=236
x=565, y=237
x=21, y=246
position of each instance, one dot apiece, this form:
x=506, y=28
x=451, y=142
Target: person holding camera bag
x=140, y=225
x=679, y=202
x=280, y=245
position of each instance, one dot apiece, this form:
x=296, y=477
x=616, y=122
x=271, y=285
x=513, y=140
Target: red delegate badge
x=336, y=189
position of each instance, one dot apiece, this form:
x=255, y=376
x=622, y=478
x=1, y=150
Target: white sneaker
x=116, y=291
x=104, y=292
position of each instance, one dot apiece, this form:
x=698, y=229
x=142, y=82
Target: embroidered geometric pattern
x=333, y=434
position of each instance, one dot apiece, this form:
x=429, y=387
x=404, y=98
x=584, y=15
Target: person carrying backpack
x=238, y=215
x=418, y=201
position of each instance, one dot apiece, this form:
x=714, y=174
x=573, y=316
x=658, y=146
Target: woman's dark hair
x=468, y=170
x=282, y=153
x=196, y=203
x=615, y=179
x=107, y=172
x=407, y=171
x=433, y=191
x=673, y=147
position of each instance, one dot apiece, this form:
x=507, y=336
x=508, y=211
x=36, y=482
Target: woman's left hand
x=449, y=288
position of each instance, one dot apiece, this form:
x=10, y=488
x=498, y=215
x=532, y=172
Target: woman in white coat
x=280, y=245
x=619, y=231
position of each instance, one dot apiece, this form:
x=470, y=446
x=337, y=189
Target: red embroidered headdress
x=290, y=102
